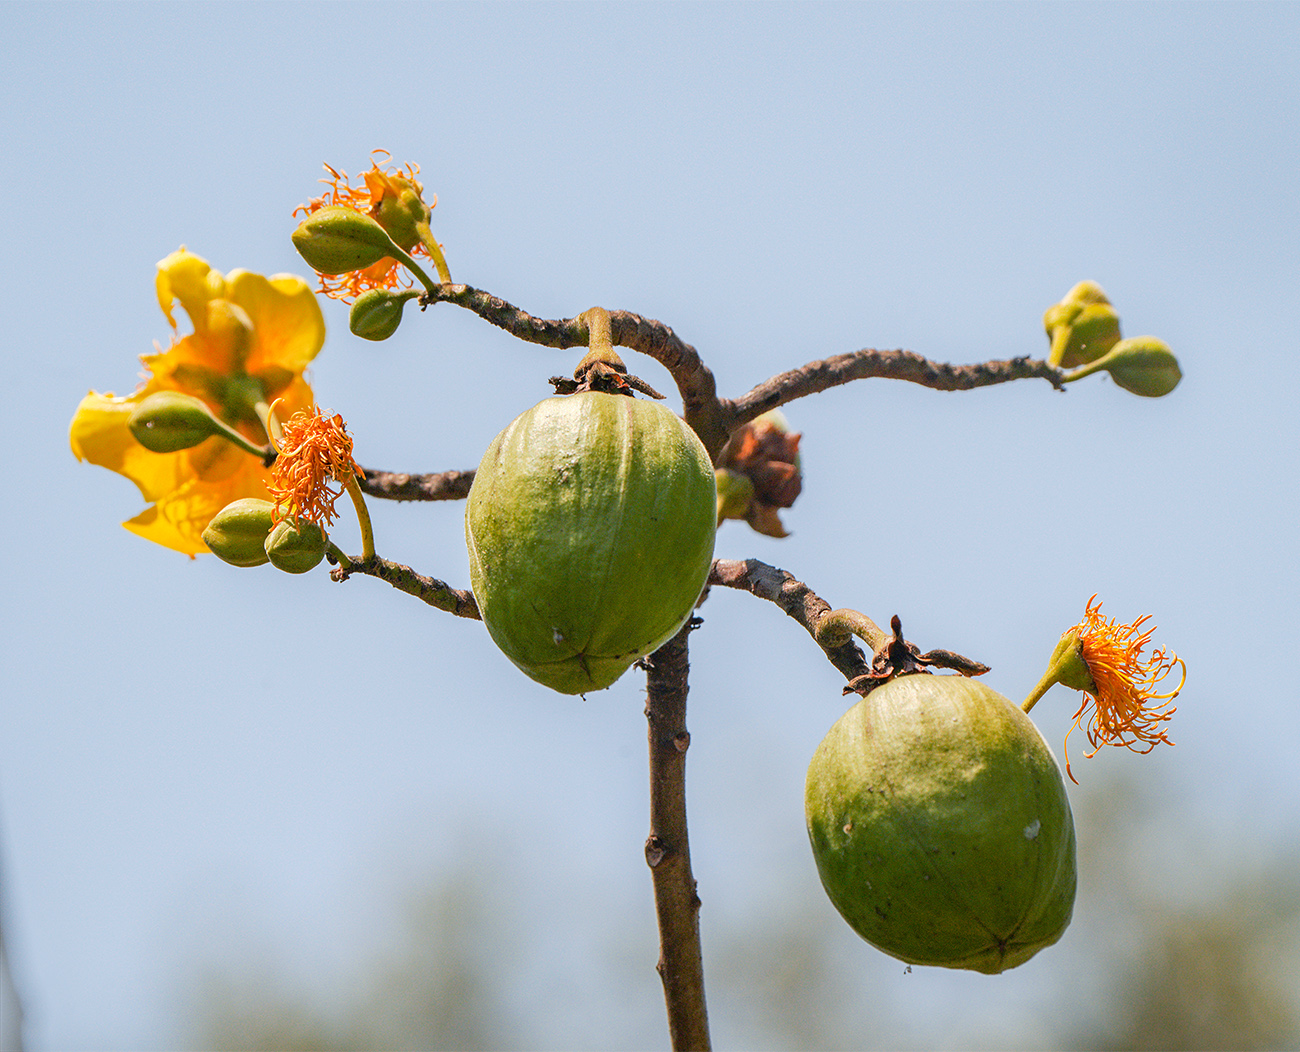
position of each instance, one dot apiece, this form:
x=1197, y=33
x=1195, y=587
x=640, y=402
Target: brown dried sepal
x=898, y=657
x=768, y=455
x=598, y=375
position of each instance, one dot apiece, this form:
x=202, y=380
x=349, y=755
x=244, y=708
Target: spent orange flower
x=313, y=468
x=394, y=198
x=253, y=338
x=1127, y=708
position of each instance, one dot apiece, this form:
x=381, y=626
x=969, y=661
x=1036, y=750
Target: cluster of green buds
x=356, y=238
x=1085, y=337
x=245, y=533
x=313, y=467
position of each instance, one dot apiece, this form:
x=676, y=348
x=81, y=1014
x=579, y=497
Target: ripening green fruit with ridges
x=590, y=529
x=940, y=825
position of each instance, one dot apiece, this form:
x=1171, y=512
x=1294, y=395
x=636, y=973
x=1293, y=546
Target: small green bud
x=237, y=533
x=338, y=240
x=400, y=210
x=168, y=421
x=296, y=545
x=377, y=313
x=1143, y=365
x=1082, y=327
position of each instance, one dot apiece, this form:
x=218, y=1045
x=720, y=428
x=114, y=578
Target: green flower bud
x=377, y=313
x=590, y=530
x=338, y=240
x=296, y=545
x=168, y=421
x=237, y=533
x=399, y=210
x=1082, y=327
x=1143, y=365
x=940, y=825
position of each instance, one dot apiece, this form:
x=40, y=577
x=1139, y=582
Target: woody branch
x=714, y=418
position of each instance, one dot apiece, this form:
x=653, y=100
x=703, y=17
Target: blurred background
x=241, y=810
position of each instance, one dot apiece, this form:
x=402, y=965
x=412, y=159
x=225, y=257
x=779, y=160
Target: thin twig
x=667, y=849
x=894, y=365
x=395, y=485
x=796, y=599
x=434, y=592
x=833, y=630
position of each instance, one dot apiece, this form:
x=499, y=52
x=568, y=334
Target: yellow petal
x=178, y=520
x=288, y=327
x=297, y=397
x=150, y=525
x=99, y=434
x=186, y=277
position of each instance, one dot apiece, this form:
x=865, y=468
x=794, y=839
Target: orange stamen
x=1125, y=684
x=313, y=466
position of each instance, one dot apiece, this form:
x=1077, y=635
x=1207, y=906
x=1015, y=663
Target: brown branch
x=694, y=381
x=833, y=630
x=394, y=485
x=404, y=579
x=714, y=419
x=667, y=849
x=796, y=599
x=894, y=365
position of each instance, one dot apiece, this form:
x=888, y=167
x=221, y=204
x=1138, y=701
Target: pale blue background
x=199, y=764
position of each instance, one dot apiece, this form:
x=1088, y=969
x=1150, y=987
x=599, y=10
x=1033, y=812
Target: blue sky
x=196, y=759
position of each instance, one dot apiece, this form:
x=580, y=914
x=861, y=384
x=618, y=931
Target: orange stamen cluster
x=376, y=184
x=1126, y=684
x=313, y=467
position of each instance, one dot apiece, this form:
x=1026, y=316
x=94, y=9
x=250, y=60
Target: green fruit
x=941, y=827
x=590, y=531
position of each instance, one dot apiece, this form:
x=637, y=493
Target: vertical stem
x=667, y=849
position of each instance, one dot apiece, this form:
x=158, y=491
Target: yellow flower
x=393, y=197
x=253, y=338
x=315, y=455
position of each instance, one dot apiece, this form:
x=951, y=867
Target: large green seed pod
x=590, y=531
x=940, y=825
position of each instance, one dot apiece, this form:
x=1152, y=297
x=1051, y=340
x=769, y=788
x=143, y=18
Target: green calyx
x=338, y=240
x=940, y=825
x=295, y=545
x=590, y=529
x=237, y=533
